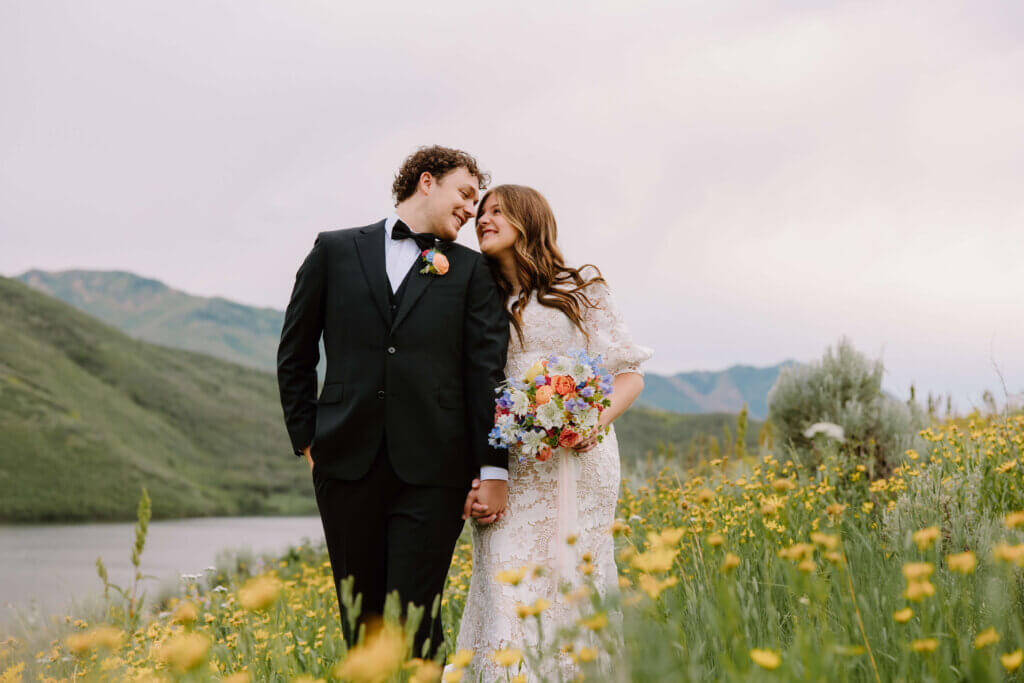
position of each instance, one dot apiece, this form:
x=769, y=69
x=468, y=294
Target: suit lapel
x=370, y=245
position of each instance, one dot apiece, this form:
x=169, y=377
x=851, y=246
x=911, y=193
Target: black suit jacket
x=424, y=376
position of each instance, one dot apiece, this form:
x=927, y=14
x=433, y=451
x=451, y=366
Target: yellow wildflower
x=918, y=590
x=668, y=537
x=462, y=658
x=587, y=654
x=766, y=659
x=184, y=652
x=425, y=671
x=918, y=571
x=507, y=657
x=903, y=616
x=185, y=613
x=1011, y=661
x=781, y=485
x=376, y=660
x=595, y=622
x=986, y=638
x=715, y=540
x=259, y=592
x=511, y=576
x=100, y=637
x=924, y=538
x=924, y=645
x=653, y=587
x=1014, y=520
x=730, y=562
x=705, y=496
x=835, y=509
x=657, y=560
x=827, y=541
x=1009, y=553
x=964, y=562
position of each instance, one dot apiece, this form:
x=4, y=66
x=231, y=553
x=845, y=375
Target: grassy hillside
x=89, y=415
x=150, y=310
x=640, y=431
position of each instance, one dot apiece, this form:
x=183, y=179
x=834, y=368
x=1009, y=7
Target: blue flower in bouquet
x=540, y=380
x=505, y=400
x=495, y=439
x=606, y=384
x=587, y=391
x=576, y=405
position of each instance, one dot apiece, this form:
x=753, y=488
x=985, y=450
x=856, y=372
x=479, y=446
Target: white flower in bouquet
x=550, y=415
x=507, y=425
x=532, y=441
x=520, y=403
x=589, y=419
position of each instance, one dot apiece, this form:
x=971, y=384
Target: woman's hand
x=587, y=444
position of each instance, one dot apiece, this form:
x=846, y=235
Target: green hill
x=89, y=415
x=641, y=430
x=150, y=310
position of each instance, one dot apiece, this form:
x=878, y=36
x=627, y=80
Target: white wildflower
x=829, y=429
x=520, y=403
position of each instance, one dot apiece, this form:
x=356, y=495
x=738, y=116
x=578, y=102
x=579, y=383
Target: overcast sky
x=755, y=178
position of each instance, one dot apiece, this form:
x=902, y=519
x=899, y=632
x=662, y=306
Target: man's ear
x=426, y=183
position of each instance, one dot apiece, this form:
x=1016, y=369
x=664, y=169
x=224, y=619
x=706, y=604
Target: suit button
x=391, y=349
x=380, y=394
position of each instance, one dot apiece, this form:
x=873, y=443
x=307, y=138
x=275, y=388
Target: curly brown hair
x=437, y=161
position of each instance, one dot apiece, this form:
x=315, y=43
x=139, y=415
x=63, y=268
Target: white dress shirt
x=399, y=255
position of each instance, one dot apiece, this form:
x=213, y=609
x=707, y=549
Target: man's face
x=451, y=201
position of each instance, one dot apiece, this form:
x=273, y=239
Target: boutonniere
x=436, y=262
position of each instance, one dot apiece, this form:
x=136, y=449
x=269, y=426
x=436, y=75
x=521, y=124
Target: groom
x=415, y=343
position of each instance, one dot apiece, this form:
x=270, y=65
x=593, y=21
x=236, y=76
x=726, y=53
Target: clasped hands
x=486, y=501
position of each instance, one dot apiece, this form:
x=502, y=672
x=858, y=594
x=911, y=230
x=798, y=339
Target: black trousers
x=389, y=536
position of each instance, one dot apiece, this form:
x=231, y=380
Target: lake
x=43, y=567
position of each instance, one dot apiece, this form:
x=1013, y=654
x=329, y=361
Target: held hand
x=471, y=499
x=591, y=441
x=491, y=498
x=309, y=458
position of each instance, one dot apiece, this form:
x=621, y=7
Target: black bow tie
x=423, y=240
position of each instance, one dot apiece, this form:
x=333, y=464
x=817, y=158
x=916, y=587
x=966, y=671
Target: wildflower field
x=751, y=568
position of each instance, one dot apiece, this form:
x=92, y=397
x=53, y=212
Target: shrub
x=844, y=388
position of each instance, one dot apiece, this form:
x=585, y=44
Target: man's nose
x=470, y=209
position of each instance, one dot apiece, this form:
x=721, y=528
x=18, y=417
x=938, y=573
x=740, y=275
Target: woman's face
x=492, y=230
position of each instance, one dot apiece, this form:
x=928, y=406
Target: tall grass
x=759, y=570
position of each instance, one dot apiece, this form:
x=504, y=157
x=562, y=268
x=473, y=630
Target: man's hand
x=309, y=458
x=482, y=503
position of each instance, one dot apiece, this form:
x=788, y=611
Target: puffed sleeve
x=608, y=333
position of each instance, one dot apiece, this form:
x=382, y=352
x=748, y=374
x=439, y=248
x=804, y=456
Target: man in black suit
x=416, y=337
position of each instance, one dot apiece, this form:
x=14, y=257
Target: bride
x=552, y=308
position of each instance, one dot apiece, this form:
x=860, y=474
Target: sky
x=756, y=179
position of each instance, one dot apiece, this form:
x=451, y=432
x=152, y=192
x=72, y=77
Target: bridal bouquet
x=557, y=404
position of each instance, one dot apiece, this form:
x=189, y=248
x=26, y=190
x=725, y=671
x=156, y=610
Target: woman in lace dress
x=553, y=308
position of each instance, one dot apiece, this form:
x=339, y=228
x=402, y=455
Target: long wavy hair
x=540, y=266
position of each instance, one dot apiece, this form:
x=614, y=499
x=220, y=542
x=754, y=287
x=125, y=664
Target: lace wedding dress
x=528, y=533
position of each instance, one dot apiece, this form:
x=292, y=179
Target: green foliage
x=844, y=388
x=88, y=416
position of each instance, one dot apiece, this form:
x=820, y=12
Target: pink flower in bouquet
x=440, y=262
x=563, y=385
x=568, y=438
x=544, y=394
x=545, y=454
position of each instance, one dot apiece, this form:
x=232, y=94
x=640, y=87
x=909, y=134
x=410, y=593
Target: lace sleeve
x=609, y=335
